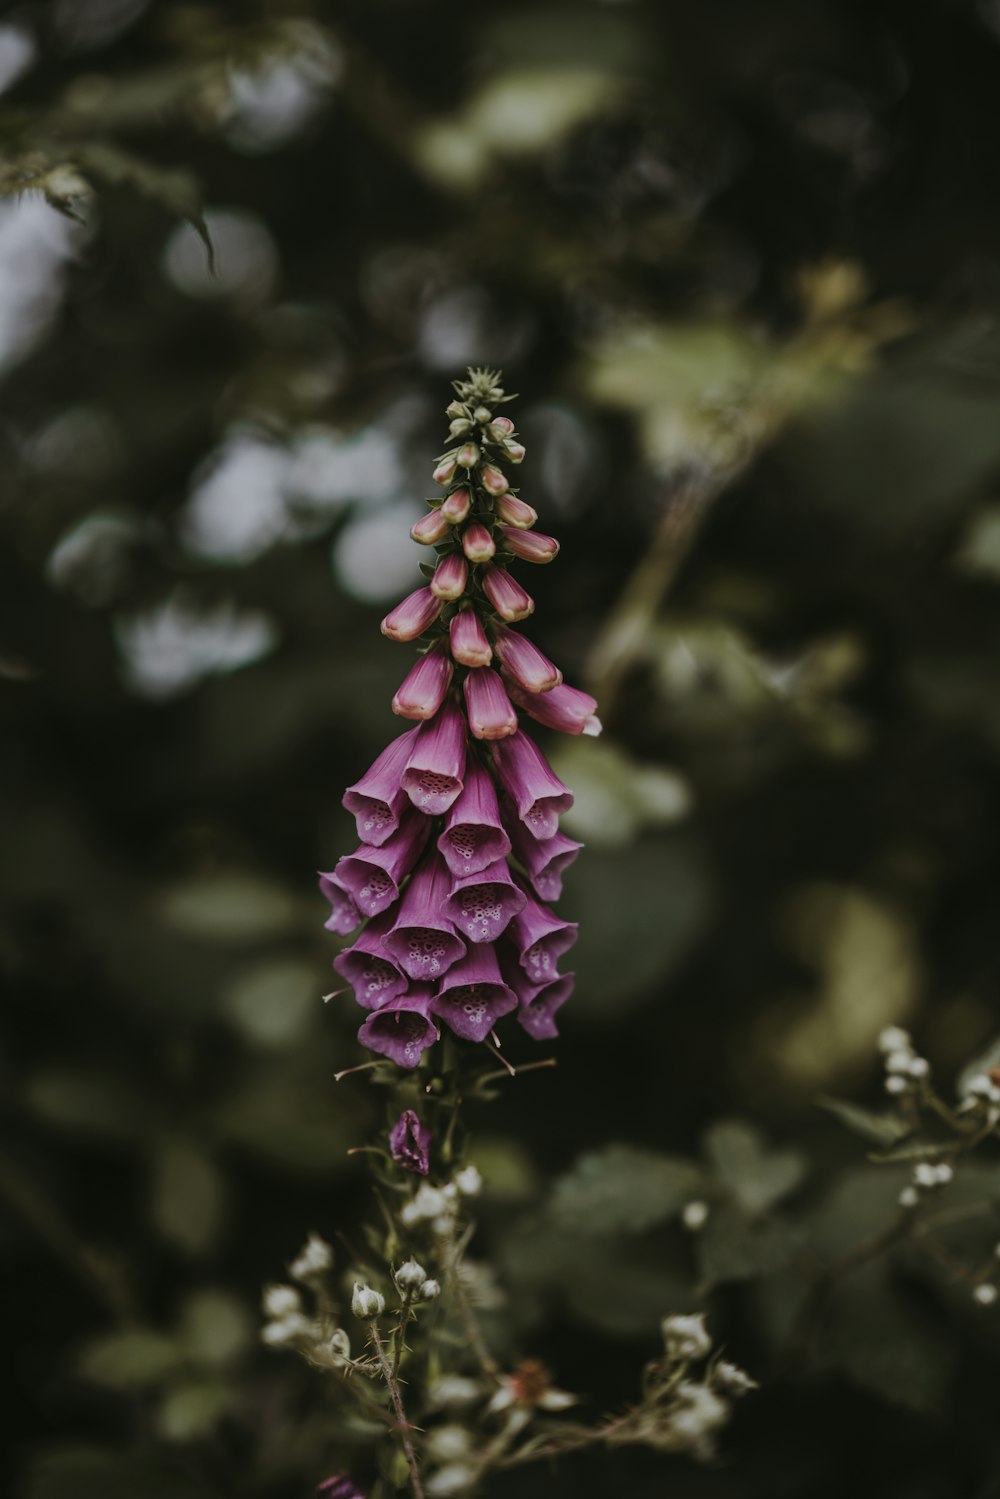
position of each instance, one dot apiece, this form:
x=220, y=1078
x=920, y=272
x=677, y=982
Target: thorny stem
x=399, y=1335
x=402, y=1425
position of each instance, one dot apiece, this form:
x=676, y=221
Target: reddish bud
x=523, y=662
x=501, y=427
x=494, y=482
x=430, y=528
x=477, y=543
x=450, y=577
x=469, y=645
x=468, y=455
x=530, y=546
x=423, y=689
x=412, y=617
x=491, y=714
x=506, y=595
x=514, y=450
x=456, y=506
x=514, y=512
x=445, y=471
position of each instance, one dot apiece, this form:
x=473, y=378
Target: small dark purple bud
x=410, y=1143
x=339, y=1487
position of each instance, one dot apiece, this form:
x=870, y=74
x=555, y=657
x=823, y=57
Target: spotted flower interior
x=460, y=850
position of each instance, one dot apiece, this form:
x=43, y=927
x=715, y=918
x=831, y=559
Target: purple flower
x=482, y=905
x=425, y=685
x=477, y=543
x=564, y=708
x=450, y=577
x=469, y=645
x=530, y=546
x=373, y=875
x=531, y=783
x=378, y=798
x=473, y=836
x=433, y=775
x=539, y=1004
x=540, y=940
x=514, y=512
x=523, y=662
x=344, y=915
x=473, y=996
x=489, y=708
x=412, y=617
x=402, y=1029
x=373, y=977
x=456, y=506
x=545, y=860
x=430, y=528
x=410, y=1143
x=506, y=595
x=422, y=940
x=339, y=1487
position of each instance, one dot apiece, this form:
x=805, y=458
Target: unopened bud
x=456, y=506
x=909, y=1197
x=469, y=645
x=985, y=1294
x=411, y=1278
x=500, y=427
x=430, y=528
x=450, y=577
x=731, y=1379
x=514, y=512
x=366, y=1303
x=412, y=617
x=896, y=1085
x=459, y=426
x=477, y=543
x=523, y=662
x=425, y=685
x=281, y=1301
x=454, y=408
x=530, y=546
x=694, y=1215
x=445, y=471
x=468, y=1181
x=430, y=1290
x=481, y=415
x=506, y=595
x=494, y=482
x=686, y=1337
x=513, y=449
x=468, y=455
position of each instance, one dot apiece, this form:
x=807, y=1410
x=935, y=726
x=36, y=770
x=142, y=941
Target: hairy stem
x=402, y=1425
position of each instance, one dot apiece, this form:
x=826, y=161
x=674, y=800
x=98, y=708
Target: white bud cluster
x=685, y=1338
x=414, y=1284
x=438, y=1206
x=695, y=1421
x=698, y=1407
x=287, y=1325
x=903, y=1067
x=982, y=1093
x=313, y=1261
x=927, y=1177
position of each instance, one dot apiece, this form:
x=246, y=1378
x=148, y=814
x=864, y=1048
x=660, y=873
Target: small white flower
x=429, y=1202
x=288, y=1331
x=925, y=1175
x=314, y=1258
x=982, y=1087
x=468, y=1181
x=919, y=1067
x=366, y=1303
x=411, y=1278
x=698, y=1416
x=694, y=1215
x=944, y=1174
x=686, y=1337
x=895, y=1084
x=893, y=1038
x=430, y=1290
x=899, y=1061
x=453, y=1390
x=443, y=1225
x=909, y=1197
x=280, y=1301
x=447, y=1444
x=985, y=1294
x=450, y=1481
x=731, y=1379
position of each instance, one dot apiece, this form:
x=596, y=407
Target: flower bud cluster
x=903, y=1067
x=461, y=852
x=289, y=1324
x=927, y=1177
x=696, y=1409
x=982, y=1093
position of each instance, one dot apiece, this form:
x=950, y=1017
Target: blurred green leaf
x=615, y=796
x=194, y=1409
x=756, y=1176
x=215, y=1327
x=131, y=1359
x=623, y=1188
x=91, y=1103
x=880, y=1129
x=736, y=1245
x=229, y=908
x=188, y=1197
x=273, y=1003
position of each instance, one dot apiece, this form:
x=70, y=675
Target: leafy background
x=740, y=261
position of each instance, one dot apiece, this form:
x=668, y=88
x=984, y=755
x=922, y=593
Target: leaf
x=130, y=1360
x=273, y=1003
x=174, y=188
x=90, y=1103
x=188, y=1197
x=214, y=1327
x=622, y=1188
x=194, y=1409
x=880, y=1129
x=756, y=1176
x=886, y=1344
x=734, y=1245
x=228, y=908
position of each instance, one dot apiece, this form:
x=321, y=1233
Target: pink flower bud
x=469, y=645
x=450, y=577
x=564, y=708
x=411, y=618
x=468, y=455
x=530, y=546
x=506, y=594
x=425, y=685
x=523, y=662
x=514, y=450
x=445, y=471
x=477, y=543
x=456, y=506
x=493, y=480
x=491, y=715
x=430, y=528
x=501, y=427
x=514, y=512
x=459, y=426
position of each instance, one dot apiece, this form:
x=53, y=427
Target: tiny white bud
x=430, y=1290
x=896, y=1085
x=694, y=1215
x=985, y=1294
x=313, y=1259
x=366, y=1303
x=450, y=1192
x=468, y=1181
x=898, y=1061
x=919, y=1067
x=731, y=1379
x=925, y=1175
x=459, y=426
x=339, y=1346
x=944, y=1174
x=909, y=1197
x=894, y=1038
x=451, y=1481
x=411, y=1278
x=280, y=1301
x=446, y=1444
x=686, y=1337
x=482, y=416
x=286, y=1332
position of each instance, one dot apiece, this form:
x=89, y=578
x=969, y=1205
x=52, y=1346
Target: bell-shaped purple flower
x=425, y=685
x=531, y=783
x=410, y=1143
x=491, y=715
x=469, y=645
x=530, y=546
x=344, y=917
x=564, y=708
x=482, y=905
x=540, y=939
x=434, y=773
x=422, y=940
x=413, y=616
x=514, y=512
x=538, y=1005
x=545, y=860
x=523, y=663
x=506, y=595
x=474, y=836
x=473, y=996
x=477, y=543
x=373, y=875
x=374, y=978
x=456, y=506
x=377, y=800
x=401, y=1030
x=430, y=528
x=450, y=577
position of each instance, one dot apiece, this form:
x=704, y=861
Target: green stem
x=402, y=1425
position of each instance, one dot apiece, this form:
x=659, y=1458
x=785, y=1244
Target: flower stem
x=402, y=1425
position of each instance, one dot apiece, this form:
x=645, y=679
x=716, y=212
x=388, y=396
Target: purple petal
x=473, y=996
x=373, y=875
x=540, y=939
x=481, y=905
x=545, y=860
x=339, y=1487
x=344, y=917
x=422, y=940
x=377, y=799
x=402, y=1029
x=374, y=979
x=434, y=772
x=538, y=1006
x=473, y=836
x=531, y=783
x=410, y=1143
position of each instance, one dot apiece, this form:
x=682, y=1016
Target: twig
x=402, y=1425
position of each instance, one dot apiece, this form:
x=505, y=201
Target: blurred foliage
x=739, y=259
